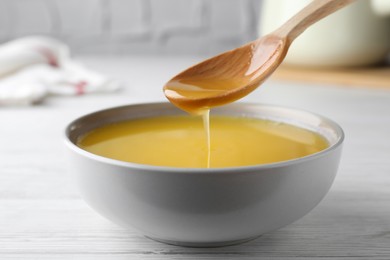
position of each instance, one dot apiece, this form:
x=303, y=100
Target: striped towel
x=35, y=67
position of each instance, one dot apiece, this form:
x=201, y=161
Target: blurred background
x=134, y=26
x=356, y=37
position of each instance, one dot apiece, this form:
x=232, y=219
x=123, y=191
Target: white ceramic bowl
x=204, y=207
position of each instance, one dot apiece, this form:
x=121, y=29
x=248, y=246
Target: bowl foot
x=203, y=244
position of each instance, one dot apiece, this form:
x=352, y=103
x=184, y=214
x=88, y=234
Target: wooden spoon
x=234, y=74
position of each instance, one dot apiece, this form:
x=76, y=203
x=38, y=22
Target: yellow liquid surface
x=180, y=141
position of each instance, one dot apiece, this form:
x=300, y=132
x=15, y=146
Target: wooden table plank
x=373, y=77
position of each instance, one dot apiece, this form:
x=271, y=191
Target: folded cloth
x=33, y=68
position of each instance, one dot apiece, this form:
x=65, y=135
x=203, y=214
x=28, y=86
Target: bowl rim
x=188, y=170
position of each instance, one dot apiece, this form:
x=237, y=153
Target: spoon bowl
x=227, y=77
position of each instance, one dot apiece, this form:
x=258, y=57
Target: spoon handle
x=312, y=13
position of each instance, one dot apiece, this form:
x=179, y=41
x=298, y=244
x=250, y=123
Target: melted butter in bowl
x=198, y=206
x=180, y=141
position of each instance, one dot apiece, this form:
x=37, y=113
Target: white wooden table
x=43, y=217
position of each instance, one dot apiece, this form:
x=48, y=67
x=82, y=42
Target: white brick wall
x=134, y=26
